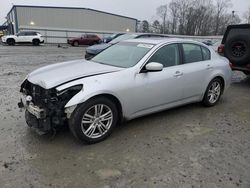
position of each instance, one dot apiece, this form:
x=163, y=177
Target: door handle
x=209, y=67
x=178, y=74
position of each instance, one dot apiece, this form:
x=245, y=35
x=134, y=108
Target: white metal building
x=57, y=24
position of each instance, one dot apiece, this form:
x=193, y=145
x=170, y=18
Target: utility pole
x=233, y=17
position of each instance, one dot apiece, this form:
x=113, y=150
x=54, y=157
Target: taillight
x=221, y=49
x=231, y=65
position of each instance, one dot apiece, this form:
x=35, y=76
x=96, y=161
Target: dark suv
x=85, y=39
x=236, y=47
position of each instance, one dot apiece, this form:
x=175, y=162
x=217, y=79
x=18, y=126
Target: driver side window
x=167, y=55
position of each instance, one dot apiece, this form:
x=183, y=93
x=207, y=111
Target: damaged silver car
x=128, y=80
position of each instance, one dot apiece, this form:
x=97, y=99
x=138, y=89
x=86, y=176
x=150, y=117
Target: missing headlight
x=71, y=90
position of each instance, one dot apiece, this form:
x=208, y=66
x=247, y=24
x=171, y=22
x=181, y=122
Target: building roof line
x=79, y=8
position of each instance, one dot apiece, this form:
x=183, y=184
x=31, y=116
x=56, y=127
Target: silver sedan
x=128, y=80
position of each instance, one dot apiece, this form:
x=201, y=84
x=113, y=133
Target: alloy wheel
x=96, y=121
x=214, y=92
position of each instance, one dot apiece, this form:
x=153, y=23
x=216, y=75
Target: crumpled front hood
x=96, y=49
x=57, y=74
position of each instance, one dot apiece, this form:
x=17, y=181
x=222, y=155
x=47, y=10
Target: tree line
x=194, y=17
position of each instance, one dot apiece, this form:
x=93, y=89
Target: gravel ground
x=191, y=146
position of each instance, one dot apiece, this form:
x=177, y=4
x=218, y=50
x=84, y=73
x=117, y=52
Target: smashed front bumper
x=39, y=118
x=43, y=110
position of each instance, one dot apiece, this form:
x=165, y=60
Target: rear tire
x=11, y=42
x=213, y=93
x=94, y=120
x=35, y=42
x=75, y=43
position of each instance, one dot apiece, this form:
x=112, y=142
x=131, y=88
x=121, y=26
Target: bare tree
x=162, y=13
x=145, y=26
x=220, y=7
x=246, y=16
x=174, y=12
x=156, y=26
x=196, y=17
x=184, y=7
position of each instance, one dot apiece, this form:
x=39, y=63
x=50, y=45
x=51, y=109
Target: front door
x=156, y=90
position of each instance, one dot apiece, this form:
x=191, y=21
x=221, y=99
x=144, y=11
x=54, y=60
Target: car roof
x=27, y=31
x=156, y=40
x=141, y=34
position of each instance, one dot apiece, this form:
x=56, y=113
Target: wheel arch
x=10, y=39
x=109, y=96
x=219, y=76
x=35, y=39
x=222, y=80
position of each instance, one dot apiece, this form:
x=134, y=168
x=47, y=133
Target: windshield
x=125, y=54
x=123, y=37
x=112, y=36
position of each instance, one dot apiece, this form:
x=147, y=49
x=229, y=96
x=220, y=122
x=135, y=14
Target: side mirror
x=154, y=67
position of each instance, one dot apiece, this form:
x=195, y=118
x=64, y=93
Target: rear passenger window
x=167, y=55
x=192, y=53
x=143, y=36
x=30, y=33
x=91, y=36
x=206, y=53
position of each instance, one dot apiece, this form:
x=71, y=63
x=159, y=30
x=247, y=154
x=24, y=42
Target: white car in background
x=32, y=37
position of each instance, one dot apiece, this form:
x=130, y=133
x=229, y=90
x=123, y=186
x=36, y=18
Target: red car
x=85, y=39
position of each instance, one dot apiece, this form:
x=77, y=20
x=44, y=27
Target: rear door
x=29, y=36
x=196, y=68
x=92, y=39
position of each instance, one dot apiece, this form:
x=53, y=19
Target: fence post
x=46, y=39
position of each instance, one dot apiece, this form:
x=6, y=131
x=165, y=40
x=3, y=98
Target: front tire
x=213, y=93
x=11, y=42
x=94, y=120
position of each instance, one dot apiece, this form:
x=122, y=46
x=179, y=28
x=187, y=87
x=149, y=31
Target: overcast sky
x=139, y=9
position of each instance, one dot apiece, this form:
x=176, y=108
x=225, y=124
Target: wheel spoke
x=214, y=86
x=214, y=97
x=107, y=116
x=102, y=128
x=90, y=131
x=87, y=118
x=98, y=109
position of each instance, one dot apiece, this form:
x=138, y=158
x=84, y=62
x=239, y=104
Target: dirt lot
x=191, y=146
